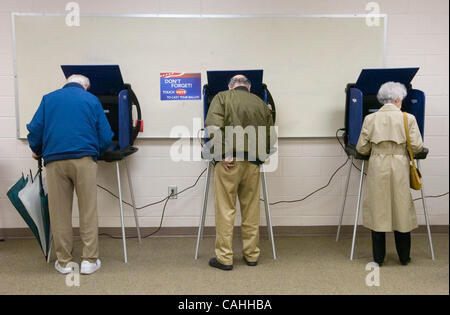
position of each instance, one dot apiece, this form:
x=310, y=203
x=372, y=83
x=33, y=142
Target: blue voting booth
x=361, y=100
x=218, y=82
x=118, y=100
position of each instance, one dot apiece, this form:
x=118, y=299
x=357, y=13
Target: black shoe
x=214, y=263
x=379, y=262
x=250, y=263
x=405, y=263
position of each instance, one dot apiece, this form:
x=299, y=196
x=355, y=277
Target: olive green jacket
x=388, y=204
x=243, y=122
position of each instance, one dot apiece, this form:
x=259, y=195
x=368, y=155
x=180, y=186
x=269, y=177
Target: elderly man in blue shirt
x=70, y=131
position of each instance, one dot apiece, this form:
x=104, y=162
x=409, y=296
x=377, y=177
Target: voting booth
x=118, y=101
x=361, y=100
x=218, y=82
x=117, y=98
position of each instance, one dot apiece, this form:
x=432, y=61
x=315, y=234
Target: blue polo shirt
x=69, y=124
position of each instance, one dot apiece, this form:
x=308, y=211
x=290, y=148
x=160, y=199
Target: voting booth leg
x=345, y=199
x=204, y=208
x=427, y=220
x=358, y=207
x=267, y=208
x=50, y=244
x=121, y=214
x=136, y=219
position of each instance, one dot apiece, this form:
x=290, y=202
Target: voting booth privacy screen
x=218, y=82
x=307, y=61
x=361, y=99
x=117, y=98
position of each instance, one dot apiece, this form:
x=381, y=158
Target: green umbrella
x=30, y=200
x=13, y=196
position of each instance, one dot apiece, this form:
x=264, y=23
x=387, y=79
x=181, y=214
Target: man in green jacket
x=239, y=125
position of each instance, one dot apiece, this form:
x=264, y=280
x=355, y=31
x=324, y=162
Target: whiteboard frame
x=185, y=16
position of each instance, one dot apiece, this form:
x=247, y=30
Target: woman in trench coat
x=388, y=204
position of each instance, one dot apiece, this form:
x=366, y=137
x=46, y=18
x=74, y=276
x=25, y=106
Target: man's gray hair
x=80, y=79
x=391, y=92
x=239, y=80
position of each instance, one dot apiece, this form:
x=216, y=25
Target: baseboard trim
x=14, y=233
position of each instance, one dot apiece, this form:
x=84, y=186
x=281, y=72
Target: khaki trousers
x=242, y=181
x=62, y=177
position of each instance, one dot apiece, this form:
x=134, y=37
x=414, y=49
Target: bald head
x=239, y=80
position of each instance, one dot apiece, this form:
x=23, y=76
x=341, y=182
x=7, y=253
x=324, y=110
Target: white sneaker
x=88, y=268
x=63, y=270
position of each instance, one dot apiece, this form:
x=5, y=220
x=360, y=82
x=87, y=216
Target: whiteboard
x=307, y=61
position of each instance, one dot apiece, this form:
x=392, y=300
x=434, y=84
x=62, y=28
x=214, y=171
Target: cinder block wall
x=418, y=35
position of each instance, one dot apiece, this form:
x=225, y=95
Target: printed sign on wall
x=180, y=86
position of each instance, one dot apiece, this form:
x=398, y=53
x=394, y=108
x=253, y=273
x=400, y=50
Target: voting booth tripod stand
x=361, y=101
x=118, y=100
x=217, y=82
x=358, y=206
x=133, y=202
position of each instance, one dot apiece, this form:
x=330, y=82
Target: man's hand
x=35, y=156
x=228, y=163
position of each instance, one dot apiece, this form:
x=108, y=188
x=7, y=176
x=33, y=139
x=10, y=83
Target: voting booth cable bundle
x=361, y=101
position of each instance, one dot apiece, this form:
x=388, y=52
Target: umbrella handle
x=40, y=175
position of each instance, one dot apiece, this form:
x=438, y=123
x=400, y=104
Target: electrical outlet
x=173, y=190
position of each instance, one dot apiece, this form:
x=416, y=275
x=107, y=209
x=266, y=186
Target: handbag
x=415, y=178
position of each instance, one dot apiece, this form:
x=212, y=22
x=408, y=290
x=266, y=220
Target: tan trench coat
x=388, y=204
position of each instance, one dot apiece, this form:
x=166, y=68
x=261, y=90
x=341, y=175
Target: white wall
x=418, y=35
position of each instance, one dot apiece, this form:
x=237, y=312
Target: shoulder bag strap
x=408, y=141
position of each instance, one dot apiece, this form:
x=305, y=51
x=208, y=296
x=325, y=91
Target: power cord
x=200, y=139
x=157, y=202
x=434, y=197
x=343, y=148
x=151, y=234
x=165, y=200
x=329, y=182
x=314, y=192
